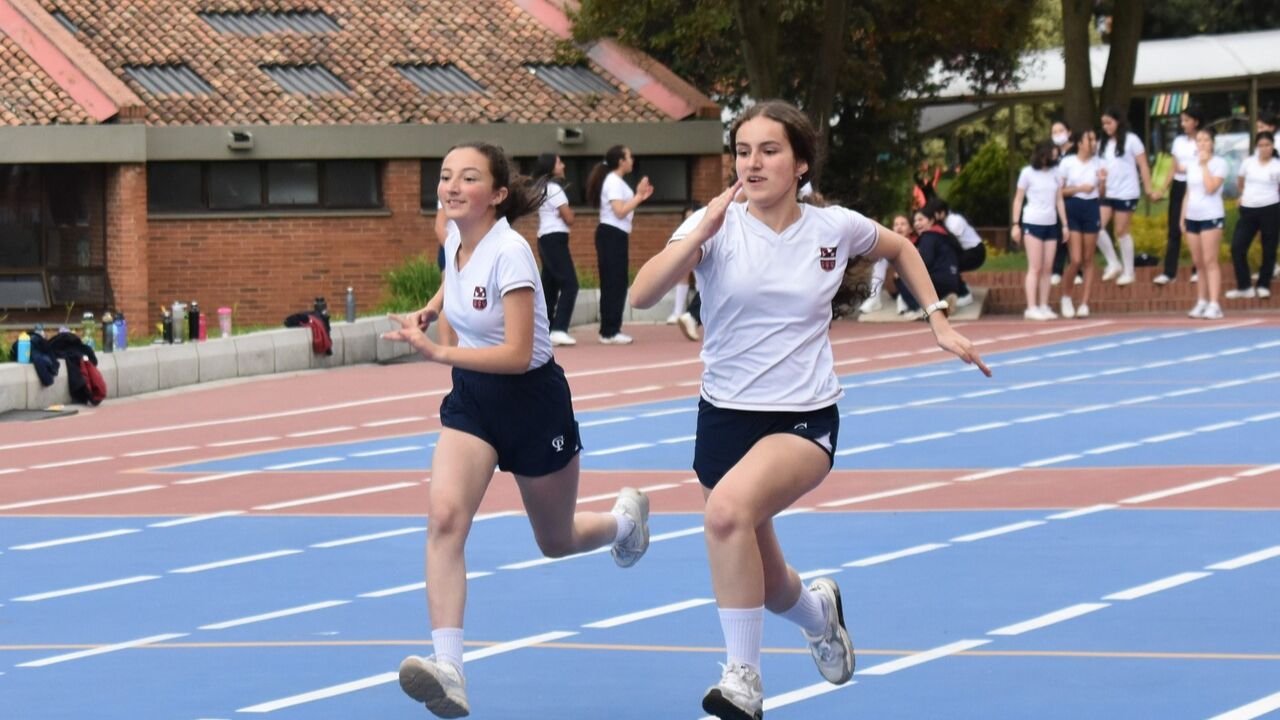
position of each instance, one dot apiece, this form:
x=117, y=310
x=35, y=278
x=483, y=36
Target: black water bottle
x=193, y=322
x=166, y=322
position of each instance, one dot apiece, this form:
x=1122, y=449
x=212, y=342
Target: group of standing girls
x=767, y=425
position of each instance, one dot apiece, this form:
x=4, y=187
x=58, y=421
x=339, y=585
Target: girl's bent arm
x=662, y=271
x=512, y=357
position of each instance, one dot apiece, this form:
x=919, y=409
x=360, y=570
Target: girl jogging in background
x=767, y=419
x=509, y=409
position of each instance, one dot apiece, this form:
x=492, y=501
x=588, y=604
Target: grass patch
x=410, y=284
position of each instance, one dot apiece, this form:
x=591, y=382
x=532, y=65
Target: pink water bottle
x=204, y=327
x=224, y=321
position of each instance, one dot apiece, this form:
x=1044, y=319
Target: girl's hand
x=423, y=318
x=1102, y=174
x=411, y=332
x=644, y=188
x=1015, y=234
x=714, y=216
x=960, y=346
x=1156, y=195
x=1085, y=188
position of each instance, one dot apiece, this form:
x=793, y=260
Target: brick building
x=258, y=153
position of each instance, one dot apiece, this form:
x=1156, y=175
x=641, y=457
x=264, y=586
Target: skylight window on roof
x=306, y=79
x=571, y=79
x=267, y=23
x=440, y=79
x=172, y=79
x=61, y=17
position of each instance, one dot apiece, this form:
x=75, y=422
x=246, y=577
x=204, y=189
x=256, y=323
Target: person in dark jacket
x=941, y=254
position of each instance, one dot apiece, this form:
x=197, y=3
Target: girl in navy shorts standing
x=1039, y=225
x=767, y=418
x=509, y=409
x=1082, y=177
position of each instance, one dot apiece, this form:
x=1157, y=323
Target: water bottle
x=88, y=328
x=224, y=321
x=121, y=332
x=24, y=348
x=166, y=322
x=108, y=332
x=321, y=307
x=351, y=305
x=179, y=319
x=203, y=329
x=193, y=322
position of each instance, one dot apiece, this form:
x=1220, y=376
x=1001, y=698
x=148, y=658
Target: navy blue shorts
x=725, y=436
x=528, y=419
x=1043, y=232
x=1083, y=215
x=1195, y=227
x=1121, y=205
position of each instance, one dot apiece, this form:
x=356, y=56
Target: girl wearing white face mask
x=1064, y=143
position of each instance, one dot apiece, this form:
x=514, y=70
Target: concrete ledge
x=179, y=366
x=137, y=370
x=292, y=347
x=39, y=396
x=217, y=359
x=13, y=385
x=357, y=341
x=110, y=375
x=255, y=354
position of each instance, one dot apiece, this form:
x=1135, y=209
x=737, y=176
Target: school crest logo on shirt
x=479, y=298
x=827, y=258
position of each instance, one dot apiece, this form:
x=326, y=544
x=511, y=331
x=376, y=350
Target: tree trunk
x=1077, y=86
x=758, y=21
x=1126, y=31
x=821, y=95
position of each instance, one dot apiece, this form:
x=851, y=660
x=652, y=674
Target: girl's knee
x=724, y=518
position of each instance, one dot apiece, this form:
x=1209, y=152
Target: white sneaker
x=1212, y=312
x=1264, y=293
x=1079, y=280
x=1111, y=273
x=1124, y=280
x=1033, y=313
x=1048, y=313
x=635, y=505
x=902, y=306
x=832, y=650
x=1082, y=311
x=1055, y=279
x=1068, y=307
x=672, y=318
x=560, y=337
x=871, y=304
x=738, y=696
x=1246, y=294
x=1198, y=310
x=689, y=327
x=619, y=339
x=1195, y=276
x=965, y=300
x=437, y=683
x=1162, y=279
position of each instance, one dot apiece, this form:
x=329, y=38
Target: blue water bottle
x=24, y=348
x=122, y=332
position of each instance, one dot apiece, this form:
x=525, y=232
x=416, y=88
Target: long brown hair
x=523, y=194
x=800, y=132
x=595, y=181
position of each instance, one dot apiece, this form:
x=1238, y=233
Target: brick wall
x=269, y=267
x=127, y=239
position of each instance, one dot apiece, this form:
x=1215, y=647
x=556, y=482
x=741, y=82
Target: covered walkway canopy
x=1203, y=63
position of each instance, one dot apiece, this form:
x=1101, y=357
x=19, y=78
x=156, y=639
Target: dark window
x=175, y=187
x=669, y=175
x=430, y=181
x=265, y=23
x=293, y=183
x=169, y=79
x=351, y=184
x=440, y=79
x=277, y=185
x=235, y=186
x=307, y=79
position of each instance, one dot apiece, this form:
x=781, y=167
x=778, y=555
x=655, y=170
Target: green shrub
x=411, y=284
x=981, y=190
x=4, y=349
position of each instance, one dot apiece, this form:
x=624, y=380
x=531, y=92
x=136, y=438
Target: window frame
x=324, y=203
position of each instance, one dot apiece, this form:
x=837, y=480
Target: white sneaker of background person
x=1068, y=307
x=1240, y=294
x=619, y=339
x=560, y=337
x=1212, y=311
x=871, y=304
x=1111, y=272
x=739, y=694
x=1197, y=311
x=965, y=300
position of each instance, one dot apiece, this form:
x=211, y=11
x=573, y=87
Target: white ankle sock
x=1107, y=249
x=808, y=612
x=625, y=526
x=1126, y=253
x=682, y=298
x=448, y=645
x=743, y=634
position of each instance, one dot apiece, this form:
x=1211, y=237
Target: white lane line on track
x=274, y=615
x=650, y=613
x=641, y=389
x=388, y=451
x=245, y=441
x=75, y=539
x=1156, y=586
x=994, y=472
x=321, y=431
x=1190, y=487
x=102, y=650
x=69, y=463
x=1002, y=530
x=76, y=498
x=86, y=588
x=367, y=538
x=159, y=451
x=920, y=658
x=880, y=495
x=243, y=560
x=304, y=463
x=1047, y=619
x=1080, y=512
x=1255, y=709
x=195, y=519
x=897, y=554
x=416, y=586
x=619, y=449
x=388, y=677
x=1245, y=560
x=336, y=496
x=661, y=413
x=1254, y=472
x=605, y=421
x=214, y=478
x=594, y=396
x=393, y=421
x=611, y=495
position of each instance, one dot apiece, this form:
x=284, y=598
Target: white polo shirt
x=1261, y=182
x=1184, y=154
x=549, y=220
x=615, y=188
x=1040, y=188
x=766, y=306
x=1202, y=205
x=1073, y=171
x=502, y=262
x=1123, y=182
x=964, y=232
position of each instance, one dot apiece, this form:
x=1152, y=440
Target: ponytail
x=595, y=181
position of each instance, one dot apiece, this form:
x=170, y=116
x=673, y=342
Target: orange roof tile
x=489, y=40
x=29, y=95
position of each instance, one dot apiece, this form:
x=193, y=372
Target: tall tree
x=1126, y=32
x=1077, y=95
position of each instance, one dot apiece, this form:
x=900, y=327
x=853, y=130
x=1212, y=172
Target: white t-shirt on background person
x=1261, y=182
x=1040, y=188
x=1123, y=182
x=1202, y=205
x=615, y=188
x=549, y=220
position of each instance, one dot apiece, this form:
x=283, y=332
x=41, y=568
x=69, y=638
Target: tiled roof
x=492, y=41
x=29, y=96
